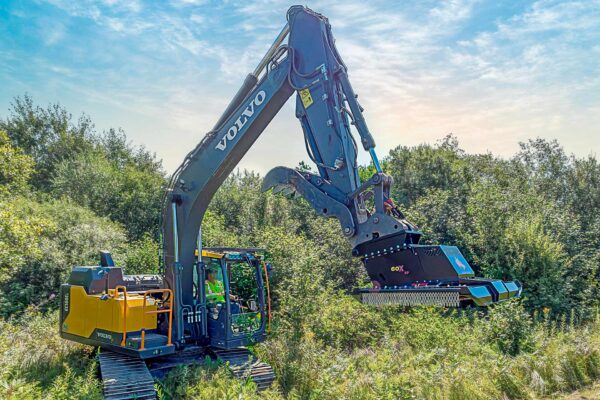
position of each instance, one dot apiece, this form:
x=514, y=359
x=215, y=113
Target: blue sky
x=493, y=73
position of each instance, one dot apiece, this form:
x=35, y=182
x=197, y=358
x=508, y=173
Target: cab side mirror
x=270, y=270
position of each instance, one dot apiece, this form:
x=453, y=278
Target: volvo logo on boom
x=242, y=120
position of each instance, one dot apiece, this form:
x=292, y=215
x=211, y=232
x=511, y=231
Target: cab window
x=243, y=287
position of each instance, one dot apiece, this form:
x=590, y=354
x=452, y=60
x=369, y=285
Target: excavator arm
x=328, y=110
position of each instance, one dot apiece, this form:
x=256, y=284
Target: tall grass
x=37, y=364
x=431, y=354
x=345, y=351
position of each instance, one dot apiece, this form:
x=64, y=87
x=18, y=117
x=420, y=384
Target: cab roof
x=210, y=254
x=225, y=250
x=220, y=252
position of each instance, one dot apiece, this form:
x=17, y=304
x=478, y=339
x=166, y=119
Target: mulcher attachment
x=412, y=275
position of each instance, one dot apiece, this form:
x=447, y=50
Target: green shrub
x=15, y=167
x=510, y=328
x=343, y=322
x=141, y=257
x=40, y=242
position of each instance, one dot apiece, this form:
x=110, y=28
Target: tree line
x=68, y=191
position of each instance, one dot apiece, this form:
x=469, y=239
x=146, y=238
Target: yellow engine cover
x=87, y=313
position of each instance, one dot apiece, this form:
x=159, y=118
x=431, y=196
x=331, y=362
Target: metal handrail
x=123, y=341
x=169, y=310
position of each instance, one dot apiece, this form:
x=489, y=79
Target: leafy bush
x=100, y=171
x=141, y=257
x=123, y=192
x=48, y=135
x=342, y=322
x=510, y=328
x=41, y=242
x=15, y=167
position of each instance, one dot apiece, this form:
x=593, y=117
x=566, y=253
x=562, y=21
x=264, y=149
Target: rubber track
x=245, y=365
x=125, y=377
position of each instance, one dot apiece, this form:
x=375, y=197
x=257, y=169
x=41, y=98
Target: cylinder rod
x=272, y=50
x=375, y=159
x=175, y=232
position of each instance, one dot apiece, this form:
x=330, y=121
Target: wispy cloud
x=492, y=73
x=51, y=31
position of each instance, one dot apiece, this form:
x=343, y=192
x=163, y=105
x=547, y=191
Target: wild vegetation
x=68, y=191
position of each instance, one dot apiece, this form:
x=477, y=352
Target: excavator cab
x=235, y=296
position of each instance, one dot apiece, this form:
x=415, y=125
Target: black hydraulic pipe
x=249, y=84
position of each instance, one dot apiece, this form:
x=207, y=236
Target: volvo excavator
x=145, y=325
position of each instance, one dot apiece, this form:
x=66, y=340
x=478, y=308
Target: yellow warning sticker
x=306, y=98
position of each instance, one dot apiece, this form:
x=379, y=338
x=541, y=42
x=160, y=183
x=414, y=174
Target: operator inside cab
x=215, y=290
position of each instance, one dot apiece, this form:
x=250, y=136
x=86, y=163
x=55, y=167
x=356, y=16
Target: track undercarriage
x=125, y=377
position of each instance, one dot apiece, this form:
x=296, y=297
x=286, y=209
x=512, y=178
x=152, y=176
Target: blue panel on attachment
x=501, y=289
x=513, y=288
x=480, y=295
x=460, y=264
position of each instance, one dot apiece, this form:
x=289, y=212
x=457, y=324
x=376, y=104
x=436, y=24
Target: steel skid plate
x=412, y=297
x=445, y=294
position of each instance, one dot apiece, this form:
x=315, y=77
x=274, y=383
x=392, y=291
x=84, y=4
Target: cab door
x=246, y=300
